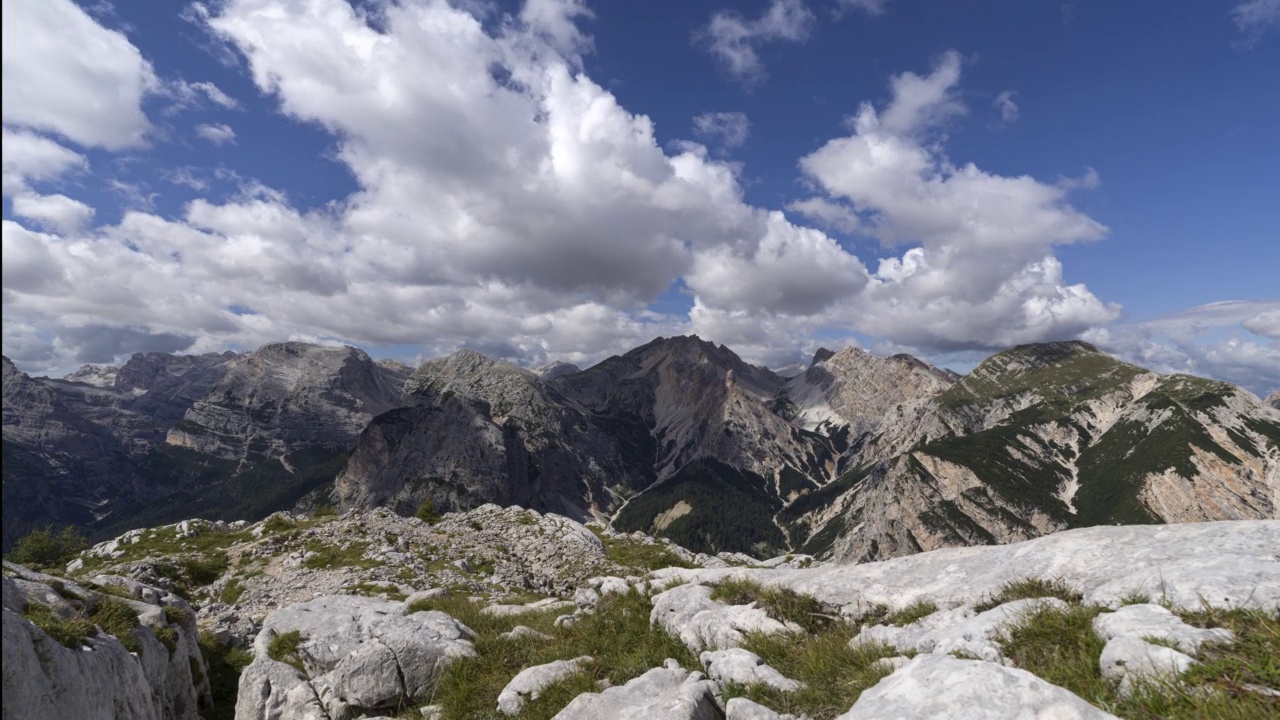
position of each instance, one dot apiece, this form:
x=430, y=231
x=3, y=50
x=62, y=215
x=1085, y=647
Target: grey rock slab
x=743, y=667
x=957, y=630
x=741, y=708
x=940, y=687
x=689, y=613
x=522, y=631
x=537, y=606
x=1227, y=564
x=1154, y=621
x=264, y=688
x=663, y=693
x=529, y=683
x=1130, y=660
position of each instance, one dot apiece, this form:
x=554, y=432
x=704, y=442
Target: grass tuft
x=284, y=648
x=1030, y=588
x=70, y=632
x=225, y=665
x=911, y=613
x=780, y=603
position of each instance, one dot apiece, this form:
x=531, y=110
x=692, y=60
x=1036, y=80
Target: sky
x=564, y=180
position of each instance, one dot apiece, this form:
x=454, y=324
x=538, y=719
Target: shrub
x=427, y=511
x=278, y=523
x=48, y=548
x=225, y=664
x=168, y=636
x=325, y=510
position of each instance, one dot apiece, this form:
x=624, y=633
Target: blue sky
x=565, y=180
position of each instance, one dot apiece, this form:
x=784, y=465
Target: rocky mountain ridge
x=858, y=457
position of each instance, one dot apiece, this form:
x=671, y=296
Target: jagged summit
x=1274, y=399
x=556, y=369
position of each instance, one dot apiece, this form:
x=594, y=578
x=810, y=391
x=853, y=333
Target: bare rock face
x=94, y=675
x=353, y=655
x=475, y=430
x=938, y=686
x=1273, y=400
x=289, y=395
x=1041, y=438
x=665, y=693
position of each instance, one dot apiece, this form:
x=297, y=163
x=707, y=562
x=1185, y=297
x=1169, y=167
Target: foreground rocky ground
x=504, y=612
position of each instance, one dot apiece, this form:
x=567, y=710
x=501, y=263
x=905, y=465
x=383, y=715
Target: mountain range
x=855, y=457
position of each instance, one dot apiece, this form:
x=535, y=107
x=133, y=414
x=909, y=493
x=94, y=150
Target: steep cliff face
x=1041, y=438
x=237, y=434
x=287, y=396
x=477, y=430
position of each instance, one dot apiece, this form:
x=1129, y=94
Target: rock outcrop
x=343, y=655
x=61, y=660
x=665, y=693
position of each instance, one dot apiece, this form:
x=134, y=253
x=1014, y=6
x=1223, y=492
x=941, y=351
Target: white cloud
x=1265, y=323
x=1256, y=18
x=58, y=212
x=728, y=129
x=66, y=74
x=216, y=95
x=827, y=213
x=1007, y=108
x=870, y=7
x=216, y=133
x=982, y=273
x=1205, y=340
x=733, y=39
x=28, y=157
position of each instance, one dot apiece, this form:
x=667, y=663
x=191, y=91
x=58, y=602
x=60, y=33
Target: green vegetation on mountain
x=730, y=510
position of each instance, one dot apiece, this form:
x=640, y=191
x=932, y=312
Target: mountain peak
x=1273, y=400
x=820, y=355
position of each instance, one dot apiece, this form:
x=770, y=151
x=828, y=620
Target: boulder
x=741, y=708
x=521, y=631
x=689, y=613
x=940, y=687
x=1154, y=621
x=357, y=654
x=742, y=667
x=529, y=683
x=665, y=693
x=1130, y=661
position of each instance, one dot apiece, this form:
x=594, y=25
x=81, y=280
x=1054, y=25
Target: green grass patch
x=911, y=613
x=225, y=665
x=618, y=636
x=71, y=632
x=1031, y=588
x=780, y=603
x=168, y=636
x=327, y=556
x=371, y=590
x=833, y=674
x=278, y=524
x=231, y=592
x=118, y=619
x=635, y=554
x=1061, y=647
x=284, y=648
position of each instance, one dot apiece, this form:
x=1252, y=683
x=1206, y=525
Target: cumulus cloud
x=28, y=157
x=733, y=39
x=1256, y=18
x=727, y=129
x=1006, y=107
x=981, y=272
x=1265, y=323
x=66, y=74
x=57, y=212
x=216, y=133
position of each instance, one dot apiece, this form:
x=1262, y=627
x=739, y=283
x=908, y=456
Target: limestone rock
x=356, y=652
x=661, y=694
x=1228, y=564
x=741, y=708
x=521, y=631
x=958, y=630
x=1154, y=621
x=1130, y=660
x=742, y=667
x=940, y=687
x=529, y=683
x=689, y=613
